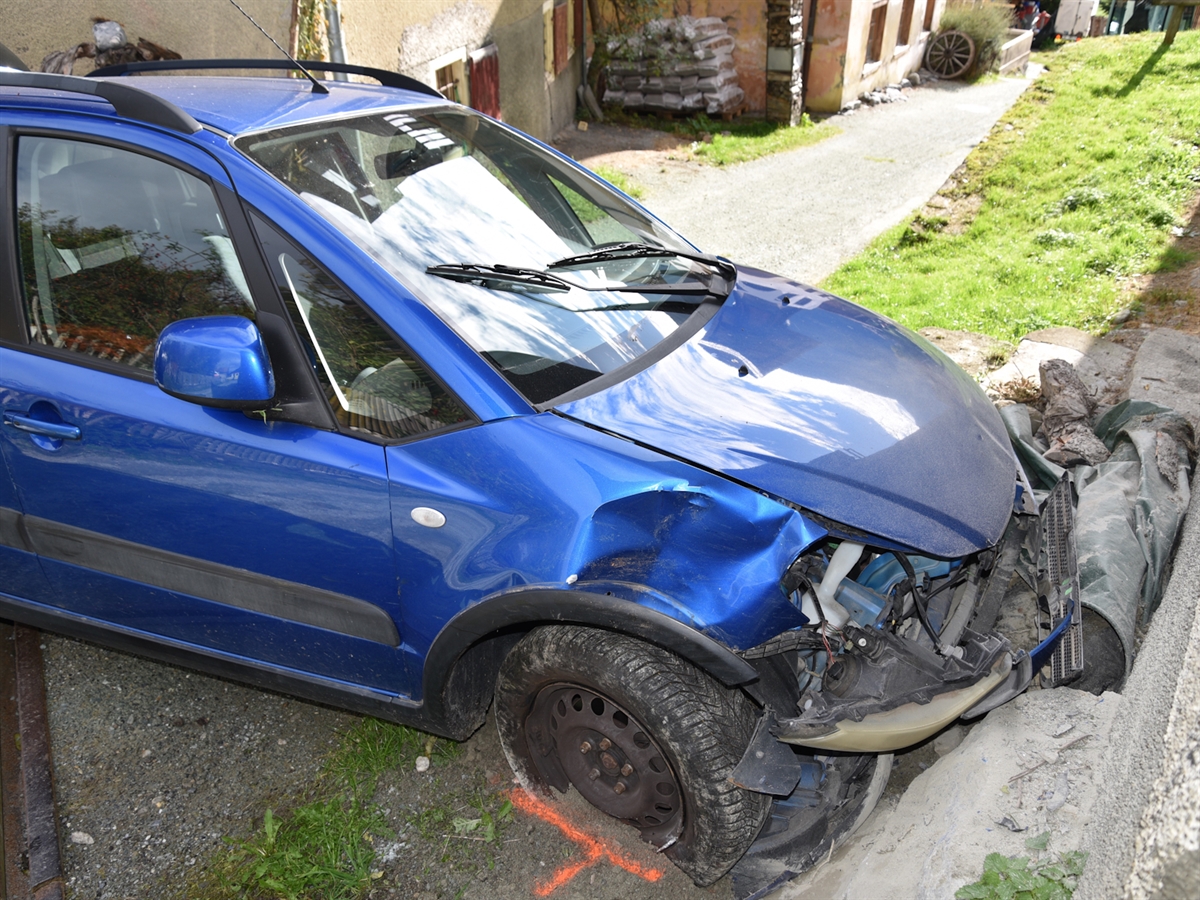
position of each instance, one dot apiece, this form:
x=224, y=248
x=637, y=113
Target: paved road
x=803, y=213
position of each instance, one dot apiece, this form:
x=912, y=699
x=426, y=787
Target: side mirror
x=215, y=361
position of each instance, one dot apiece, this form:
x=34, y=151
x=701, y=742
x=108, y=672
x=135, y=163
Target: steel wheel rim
x=610, y=758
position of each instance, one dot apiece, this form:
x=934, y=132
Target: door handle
x=58, y=430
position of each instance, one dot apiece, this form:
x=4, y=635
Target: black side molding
x=129, y=102
x=198, y=577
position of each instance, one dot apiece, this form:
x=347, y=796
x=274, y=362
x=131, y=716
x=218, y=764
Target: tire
x=595, y=709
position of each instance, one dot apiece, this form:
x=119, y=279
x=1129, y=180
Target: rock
x=1056, y=798
x=953, y=814
x=914, y=78
x=422, y=764
x=1166, y=371
x=949, y=739
x=905, y=83
x=82, y=837
x=1121, y=316
x=1067, y=418
x=108, y=35
x=1101, y=364
x=892, y=94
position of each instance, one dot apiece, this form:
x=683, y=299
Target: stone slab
x=1102, y=365
x=1166, y=370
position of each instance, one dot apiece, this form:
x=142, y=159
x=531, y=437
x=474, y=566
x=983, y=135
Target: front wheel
x=643, y=735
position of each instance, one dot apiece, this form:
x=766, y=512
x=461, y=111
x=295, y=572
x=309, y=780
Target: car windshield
x=470, y=216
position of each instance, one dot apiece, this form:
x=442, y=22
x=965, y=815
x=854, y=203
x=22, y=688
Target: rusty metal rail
x=29, y=845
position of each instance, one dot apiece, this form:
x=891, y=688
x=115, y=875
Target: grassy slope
x=1103, y=153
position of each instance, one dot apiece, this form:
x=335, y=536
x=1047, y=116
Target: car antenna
x=318, y=88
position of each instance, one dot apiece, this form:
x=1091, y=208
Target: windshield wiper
x=515, y=278
x=502, y=277
x=635, y=250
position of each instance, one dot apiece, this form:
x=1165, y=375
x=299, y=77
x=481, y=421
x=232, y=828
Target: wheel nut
x=605, y=743
x=594, y=774
x=627, y=770
x=619, y=787
x=585, y=747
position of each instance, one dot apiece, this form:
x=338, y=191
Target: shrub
x=986, y=23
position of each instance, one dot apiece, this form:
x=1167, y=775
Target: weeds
x=725, y=143
x=1014, y=878
x=985, y=22
x=1173, y=259
x=621, y=181
x=321, y=849
x=325, y=848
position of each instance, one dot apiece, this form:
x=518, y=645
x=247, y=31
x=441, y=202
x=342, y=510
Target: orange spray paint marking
x=594, y=849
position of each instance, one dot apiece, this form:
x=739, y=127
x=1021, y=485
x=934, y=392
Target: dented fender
x=543, y=504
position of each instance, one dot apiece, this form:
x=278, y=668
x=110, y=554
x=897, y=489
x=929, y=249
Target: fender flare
x=529, y=608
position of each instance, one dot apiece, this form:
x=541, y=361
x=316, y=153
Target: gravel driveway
x=803, y=212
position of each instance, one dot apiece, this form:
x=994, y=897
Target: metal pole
x=337, y=43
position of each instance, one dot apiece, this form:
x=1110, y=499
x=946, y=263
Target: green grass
x=731, y=142
x=1102, y=155
x=325, y=848
x=620, y=181
x=743, y=141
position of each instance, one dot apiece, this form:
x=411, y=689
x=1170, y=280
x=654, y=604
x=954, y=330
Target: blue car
x=344, y=390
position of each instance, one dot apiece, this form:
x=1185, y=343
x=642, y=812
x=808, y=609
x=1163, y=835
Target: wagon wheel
x=950, y=54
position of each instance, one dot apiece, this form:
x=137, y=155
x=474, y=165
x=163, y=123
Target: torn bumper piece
x=833, y=797
x=902, y=726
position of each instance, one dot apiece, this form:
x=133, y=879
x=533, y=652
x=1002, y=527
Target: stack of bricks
x=680, y=65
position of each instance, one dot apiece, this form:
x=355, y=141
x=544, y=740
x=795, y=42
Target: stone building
x=518, y=59
x=856, y=46
x=817, y=55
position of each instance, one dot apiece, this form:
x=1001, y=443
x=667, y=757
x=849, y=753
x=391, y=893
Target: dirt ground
x=1172, y=299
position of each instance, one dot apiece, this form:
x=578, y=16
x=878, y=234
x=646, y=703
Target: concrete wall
x=34, y=28
x=414, y=35
x=838, y=71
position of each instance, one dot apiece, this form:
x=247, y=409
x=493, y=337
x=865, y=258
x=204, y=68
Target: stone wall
x=785, y=60
x=34, y=28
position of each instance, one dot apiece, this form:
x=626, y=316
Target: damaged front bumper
x=885, y=691
x=887, y=687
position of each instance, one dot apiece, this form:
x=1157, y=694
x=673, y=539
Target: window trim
x=18, y=320
x=12, y=313
x=297, y=342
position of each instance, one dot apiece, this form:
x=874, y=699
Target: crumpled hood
x=831, y=407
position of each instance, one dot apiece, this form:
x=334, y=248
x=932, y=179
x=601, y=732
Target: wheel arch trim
x=527, y=608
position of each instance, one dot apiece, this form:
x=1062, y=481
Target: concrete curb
x=1138, y=754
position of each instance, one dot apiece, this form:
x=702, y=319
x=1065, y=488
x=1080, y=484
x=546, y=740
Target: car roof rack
x=129, y=102
x=383, y=76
